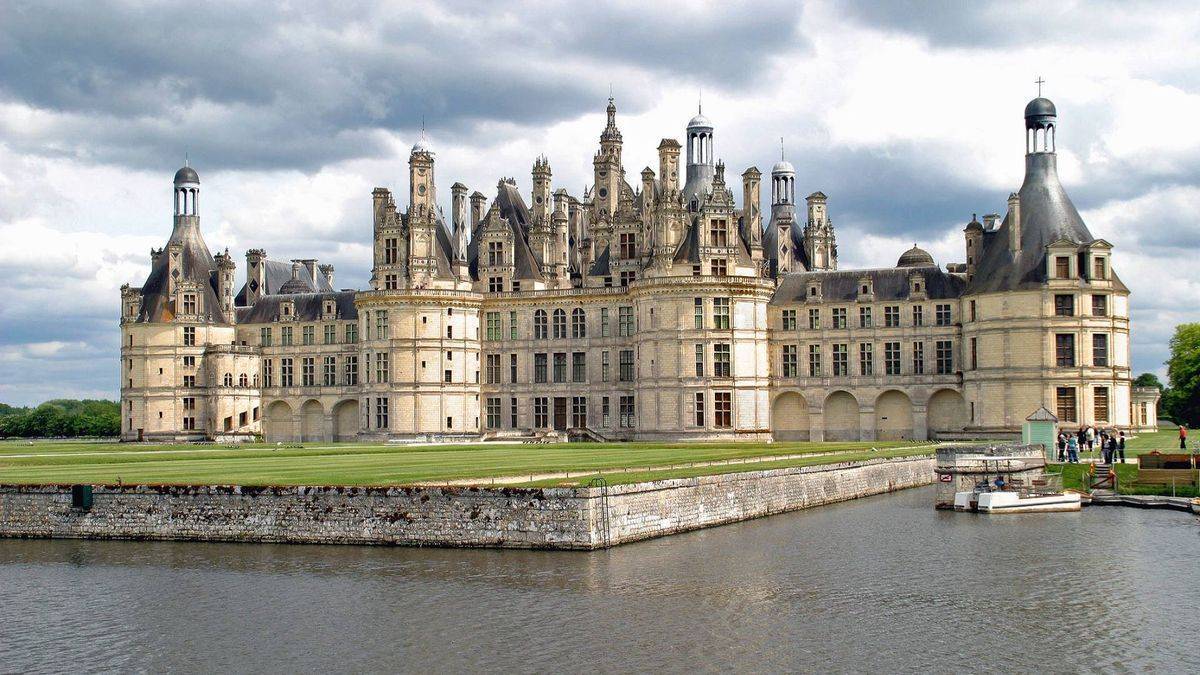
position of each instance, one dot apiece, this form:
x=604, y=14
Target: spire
x=611, y=133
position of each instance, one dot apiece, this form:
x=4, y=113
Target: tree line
x=1180, y=401
x=61, y=417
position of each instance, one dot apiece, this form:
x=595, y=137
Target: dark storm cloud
x=241, y=86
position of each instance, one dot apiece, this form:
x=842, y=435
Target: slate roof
x=1047, y=215
x=888, y=283
x=308, y=307
x=276, y=273
x=197, y=266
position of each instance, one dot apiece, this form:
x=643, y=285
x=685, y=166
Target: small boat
x=1013, y=501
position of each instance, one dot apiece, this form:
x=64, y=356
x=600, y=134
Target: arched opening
x=841, y=417
x=312, y=418
x=277, y=423
x=893, y=416
x=947, y=412
x=345, y=421
x=789, y=417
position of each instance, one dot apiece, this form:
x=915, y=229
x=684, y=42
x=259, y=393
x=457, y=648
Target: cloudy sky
x=907, y=114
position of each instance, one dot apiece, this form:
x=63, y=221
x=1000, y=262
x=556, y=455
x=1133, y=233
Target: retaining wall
x=553, y=518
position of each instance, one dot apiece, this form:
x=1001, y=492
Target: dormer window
x=1062, y=267
x=495, y=253
x=330, y=308
x=1100, y=268
x=189, y=303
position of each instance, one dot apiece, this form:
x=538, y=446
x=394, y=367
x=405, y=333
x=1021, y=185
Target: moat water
x=879, y=584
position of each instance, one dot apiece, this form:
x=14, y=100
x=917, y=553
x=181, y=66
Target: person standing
x=1090, y=437
x=1121, y=446
x=1073, y=449
x=1182, y=437
x=1062, y=446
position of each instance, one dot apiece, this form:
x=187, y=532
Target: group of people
x=1111, y=443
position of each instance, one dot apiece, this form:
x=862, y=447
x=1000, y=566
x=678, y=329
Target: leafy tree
x=1148, y=380
x=62, y=417
x=1182, y=400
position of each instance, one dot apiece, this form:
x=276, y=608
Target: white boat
x=1012, y=501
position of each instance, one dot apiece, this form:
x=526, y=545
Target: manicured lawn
x=1076, y=476
x=367, y=464
x=621, y=477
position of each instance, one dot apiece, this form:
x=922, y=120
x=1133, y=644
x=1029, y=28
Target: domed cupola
x=186, y=176
x=915, y=257
x=700, y=158
x=187, y=192
x=1041, y=118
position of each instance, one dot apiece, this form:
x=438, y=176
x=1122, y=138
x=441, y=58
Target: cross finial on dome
x=1039, y=82
x=185, y=158
x=781, y=157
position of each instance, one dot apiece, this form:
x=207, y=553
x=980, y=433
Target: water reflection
x=879, y=584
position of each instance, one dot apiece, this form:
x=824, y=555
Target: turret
x=820, y=243
x=478, y=204
x=541, y=190
x=561, y=248
x=256, y=275
x=606, y=165
x=700, y=168
x=973, y=234
x=421, y=187
x=668, y=165
x=647, y=190
x=224, y=278
x=327, y=272
x=1014, y=222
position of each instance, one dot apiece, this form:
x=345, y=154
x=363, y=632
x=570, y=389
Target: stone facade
x=661, y=311
x=553, y=518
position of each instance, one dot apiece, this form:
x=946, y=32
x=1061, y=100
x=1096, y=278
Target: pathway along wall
x=552, y=518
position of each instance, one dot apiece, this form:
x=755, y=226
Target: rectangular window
x=381, y=413
x=944, y=353
x=188, y=362
x=604, y=375
x=839, y=317
x=492, y=369
x=285, y=336
x=189, y=336
x=1100, y=350
x=264, y=337
x=974, y=353
x=718, y=232
x=512, y=413
x=189, y=403
x=866, y=359
x=579, y=367
x=330, y=334
x=628, y=411
x=389, y=251
x=308, y=334
x=512, y=325
x=329, y=371
x=699, y=408
x=918, y=312
x=790, y=359
x=723, y=409
x=698, y=313
x=189, y=303
x=495, y=254
x=722, y=365
x=719, y=267
x=382, y=367
x=495, y=284
x=814, y=360
x=539, y=368
x=351, y=333
x=864, y=317
x=492, y=418
x=628, y=277
x=841, y=360
x=891, y=316
x=626, y=365
x=1100, y=403
x=789, y=319
x=512, y=368
x=1064, y=305
x=381, y=325
x=560, y=367
x=605, y=413
x=1064, y=350
x=285, y=372
x=918, y=358
x=350, y=370
x=1099, y=305
x=942, y=315
x=814, y=319
x=604, y=330
x=1065, y=404
x=189, y=423
x=625, y=321
x=579, y=412
x=721, y=313
x=541, y=412
x=268, y=373
x=699, y=359
x=1062, y=268
x=494, y=329
x=448, y=375
x=891, y=358
x=628, y=246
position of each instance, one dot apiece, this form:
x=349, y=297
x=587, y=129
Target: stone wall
x=555, y=518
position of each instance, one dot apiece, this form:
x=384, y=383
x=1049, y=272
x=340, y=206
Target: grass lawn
x=376, y=464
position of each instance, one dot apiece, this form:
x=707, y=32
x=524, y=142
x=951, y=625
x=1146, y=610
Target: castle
x=661, y=311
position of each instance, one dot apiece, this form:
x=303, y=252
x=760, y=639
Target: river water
x=880, y=584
